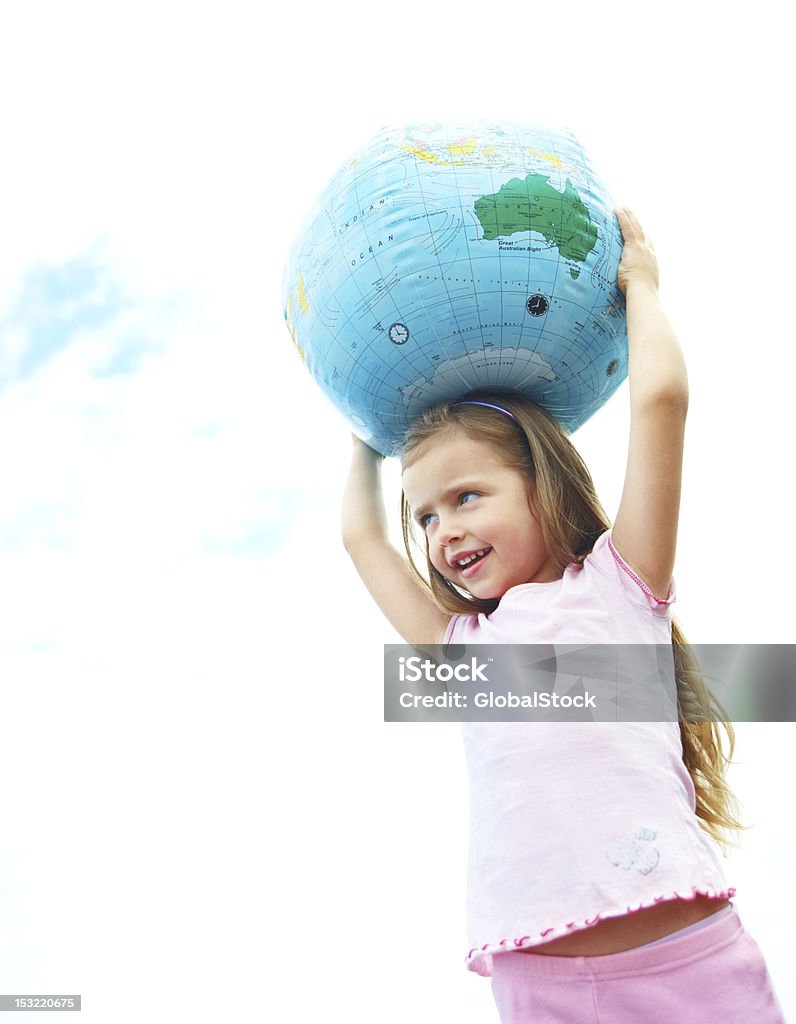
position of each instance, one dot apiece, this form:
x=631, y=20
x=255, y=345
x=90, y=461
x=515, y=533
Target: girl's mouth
x=473, y=563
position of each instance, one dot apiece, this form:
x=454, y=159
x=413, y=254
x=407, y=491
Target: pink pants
x=713, y=975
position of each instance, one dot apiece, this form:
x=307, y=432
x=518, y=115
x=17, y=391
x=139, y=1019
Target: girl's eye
x=465, y=498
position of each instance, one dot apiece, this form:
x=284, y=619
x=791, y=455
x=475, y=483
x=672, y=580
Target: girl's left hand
x=638, y=262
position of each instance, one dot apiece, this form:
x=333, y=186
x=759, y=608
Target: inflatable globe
x=442, y=258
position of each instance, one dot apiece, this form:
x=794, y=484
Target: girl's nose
x=449, y=530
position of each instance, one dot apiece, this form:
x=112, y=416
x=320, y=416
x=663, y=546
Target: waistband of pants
x=721, y=932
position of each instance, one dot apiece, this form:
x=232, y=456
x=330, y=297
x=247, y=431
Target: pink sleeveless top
x=571, y=822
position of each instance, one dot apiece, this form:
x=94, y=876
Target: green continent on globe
x=532, y=204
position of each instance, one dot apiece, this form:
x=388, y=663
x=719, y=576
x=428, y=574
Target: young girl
x=595, y=892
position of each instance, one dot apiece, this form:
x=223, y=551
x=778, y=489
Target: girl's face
x=479, y=517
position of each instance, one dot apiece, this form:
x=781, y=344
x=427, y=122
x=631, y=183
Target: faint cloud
x=56, y=305
x=51, y=523
x=264, y=532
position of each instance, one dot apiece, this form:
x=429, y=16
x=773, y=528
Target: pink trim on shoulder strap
x=623, y=565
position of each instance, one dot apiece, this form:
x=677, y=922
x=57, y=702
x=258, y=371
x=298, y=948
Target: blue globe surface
x=442, y=258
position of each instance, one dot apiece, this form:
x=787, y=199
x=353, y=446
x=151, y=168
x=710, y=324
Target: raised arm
x=384, y=571
x=645, y=530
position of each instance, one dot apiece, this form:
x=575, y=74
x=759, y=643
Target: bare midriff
x=616, y=934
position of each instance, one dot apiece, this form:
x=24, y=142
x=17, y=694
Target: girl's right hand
x=639, y=262
x=362, y=449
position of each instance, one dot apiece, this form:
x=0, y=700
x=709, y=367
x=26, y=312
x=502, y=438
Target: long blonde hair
x=571, y=520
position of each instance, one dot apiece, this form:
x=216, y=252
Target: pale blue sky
x=201, y=804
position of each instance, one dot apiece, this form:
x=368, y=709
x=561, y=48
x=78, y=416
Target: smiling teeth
x=462, y=562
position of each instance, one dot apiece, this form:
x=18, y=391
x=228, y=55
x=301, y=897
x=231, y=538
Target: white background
x=201, y=814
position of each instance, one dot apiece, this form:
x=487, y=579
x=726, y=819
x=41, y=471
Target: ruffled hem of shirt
x=474, y=961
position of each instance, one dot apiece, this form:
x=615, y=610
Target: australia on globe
x=442, y=258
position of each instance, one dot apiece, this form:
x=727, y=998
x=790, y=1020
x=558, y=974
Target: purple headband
x=487, y=405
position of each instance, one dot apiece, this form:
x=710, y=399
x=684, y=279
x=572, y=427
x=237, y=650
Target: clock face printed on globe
x=537, y=305
x=399, y=334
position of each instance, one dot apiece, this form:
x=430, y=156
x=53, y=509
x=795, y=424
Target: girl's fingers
x=630, y=226
x=627, y=214
x=628, y=220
